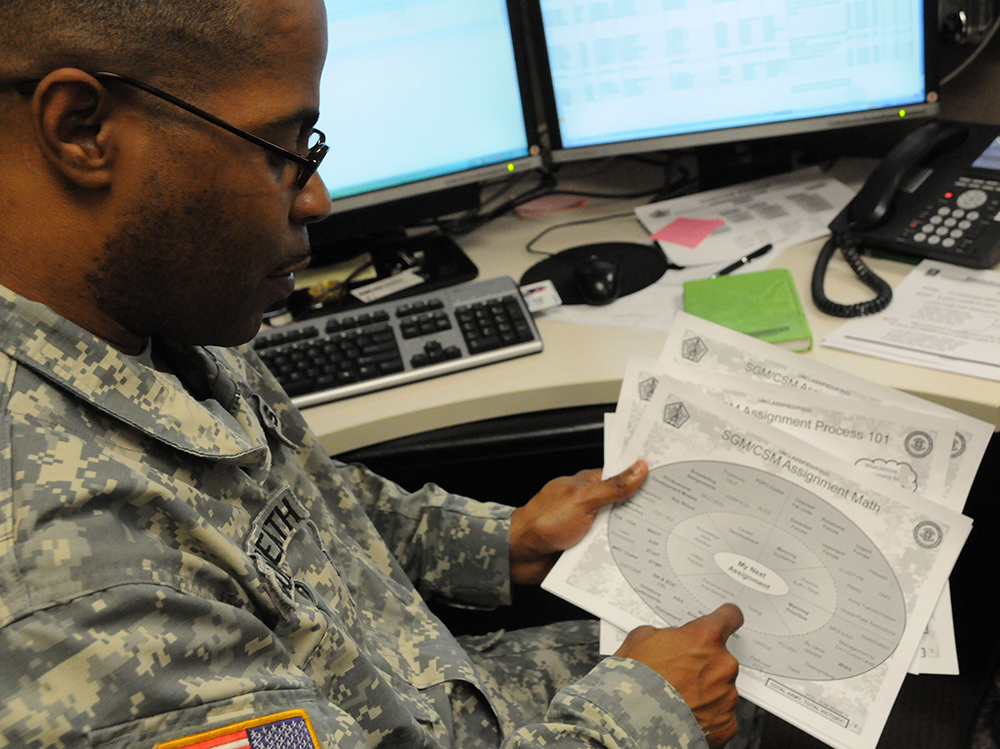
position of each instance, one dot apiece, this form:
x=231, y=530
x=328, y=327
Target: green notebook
x=764, y=304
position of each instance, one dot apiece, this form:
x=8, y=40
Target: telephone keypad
x=954, y=222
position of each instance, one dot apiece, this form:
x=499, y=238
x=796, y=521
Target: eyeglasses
x=308, y=164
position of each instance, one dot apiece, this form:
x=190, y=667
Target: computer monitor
x=630, y=76
x=421, y=100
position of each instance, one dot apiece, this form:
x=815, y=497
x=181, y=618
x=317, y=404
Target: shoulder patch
x=287, y=730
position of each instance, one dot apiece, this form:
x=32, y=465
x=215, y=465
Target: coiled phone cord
x=848, y=248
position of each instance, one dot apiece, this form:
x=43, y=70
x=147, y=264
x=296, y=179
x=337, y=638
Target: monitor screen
x=419, y=95
x=638, y=75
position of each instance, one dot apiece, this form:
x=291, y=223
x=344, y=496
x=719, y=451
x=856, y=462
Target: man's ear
x=71, y=112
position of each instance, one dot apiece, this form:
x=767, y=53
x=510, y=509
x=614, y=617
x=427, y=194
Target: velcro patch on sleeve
x=287, y=730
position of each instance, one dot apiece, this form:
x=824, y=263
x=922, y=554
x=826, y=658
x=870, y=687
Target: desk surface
x=584, y=365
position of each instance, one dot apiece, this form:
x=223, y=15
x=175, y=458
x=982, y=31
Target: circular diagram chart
x=818, y=598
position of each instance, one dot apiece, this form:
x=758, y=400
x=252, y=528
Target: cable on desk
x=849, y=249
x=548, y=186
x=473, y=220
x=508, y=184
x=668, y=185
x=530, y=245
x=675, y=188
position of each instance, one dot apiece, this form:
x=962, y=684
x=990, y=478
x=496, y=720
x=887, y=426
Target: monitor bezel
x=561, y=154
x=487, y=172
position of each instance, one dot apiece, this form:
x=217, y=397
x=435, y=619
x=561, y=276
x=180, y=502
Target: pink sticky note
x=689, y=232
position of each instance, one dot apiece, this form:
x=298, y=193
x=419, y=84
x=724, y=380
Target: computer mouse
x=597, y=280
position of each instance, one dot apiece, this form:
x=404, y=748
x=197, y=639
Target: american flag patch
x=288, y=730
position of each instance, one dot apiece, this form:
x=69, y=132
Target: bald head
x=182, y=43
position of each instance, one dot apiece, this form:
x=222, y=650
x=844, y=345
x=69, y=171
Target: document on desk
x=782, y=211
x=910, y=449
x=942, y=317
x=652, y=308
x=836, y=578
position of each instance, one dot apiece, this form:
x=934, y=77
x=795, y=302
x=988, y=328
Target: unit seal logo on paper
x=647, y=387
x=675, y=414
x=928, y=534
x=919, y=444
x=693, y=349
x=958, y=445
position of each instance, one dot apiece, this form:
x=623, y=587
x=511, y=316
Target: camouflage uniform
x=178, y=554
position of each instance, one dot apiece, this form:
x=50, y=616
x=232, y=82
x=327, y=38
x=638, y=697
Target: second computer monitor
x=625, y=76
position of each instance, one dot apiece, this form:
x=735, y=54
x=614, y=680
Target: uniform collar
x=197, y=418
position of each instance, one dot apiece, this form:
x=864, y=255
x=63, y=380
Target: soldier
x=181, y=565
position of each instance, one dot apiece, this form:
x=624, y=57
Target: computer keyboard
x=392, y=343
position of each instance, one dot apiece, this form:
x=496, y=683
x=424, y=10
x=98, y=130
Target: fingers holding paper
x=561, y=514
x=695, y=661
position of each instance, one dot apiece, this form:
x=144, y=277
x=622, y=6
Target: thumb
x=622, y=486
x=727, y=619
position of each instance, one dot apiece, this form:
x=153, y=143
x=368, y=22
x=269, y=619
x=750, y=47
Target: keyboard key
x=364, y=361
x=347, y=376
x=483, y=344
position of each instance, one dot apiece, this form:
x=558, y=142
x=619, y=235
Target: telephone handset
x=870, y=205
x=936, y=195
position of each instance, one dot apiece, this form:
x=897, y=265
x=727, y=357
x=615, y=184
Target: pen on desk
x=743, y=261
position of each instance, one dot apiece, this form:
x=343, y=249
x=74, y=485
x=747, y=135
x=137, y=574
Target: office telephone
x=935, y=195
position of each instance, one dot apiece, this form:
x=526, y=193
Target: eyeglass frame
x=308, y=164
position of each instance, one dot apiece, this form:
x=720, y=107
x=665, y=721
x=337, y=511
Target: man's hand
x=695, y=661
x=560, y=515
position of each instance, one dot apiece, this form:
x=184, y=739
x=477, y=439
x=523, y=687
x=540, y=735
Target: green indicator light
x=510, y=167
x=902, y=113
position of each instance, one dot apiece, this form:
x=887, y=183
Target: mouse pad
x=639, y=265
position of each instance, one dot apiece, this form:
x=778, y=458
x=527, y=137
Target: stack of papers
x=942, y=317
x=826, y=506
x=781, y=211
